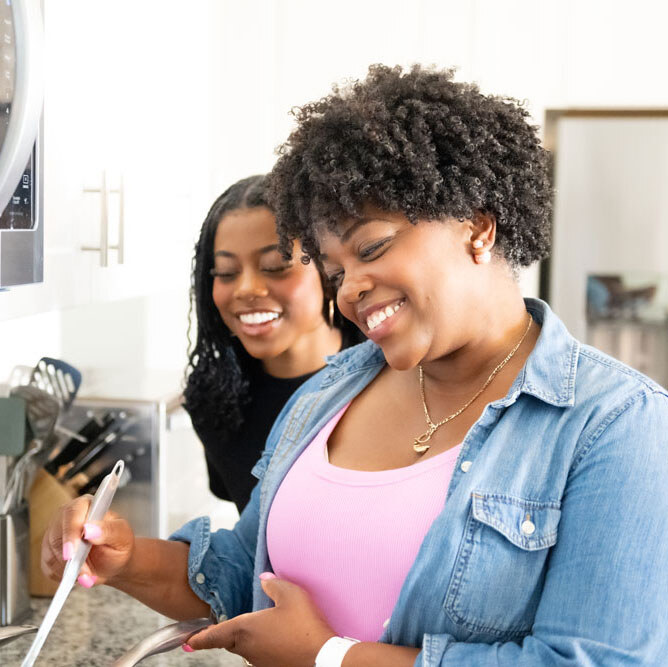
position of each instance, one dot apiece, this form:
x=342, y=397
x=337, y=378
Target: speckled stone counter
x=96, y=627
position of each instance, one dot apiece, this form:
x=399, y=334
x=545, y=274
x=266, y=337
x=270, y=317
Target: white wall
x=267, y=56
x=552, y=53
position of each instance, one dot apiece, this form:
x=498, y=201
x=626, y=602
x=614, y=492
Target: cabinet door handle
x=121, y=221
x=104, y=246
x=120, y=191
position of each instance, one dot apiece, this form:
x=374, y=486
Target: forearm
x=157, y=576
x=370, y=654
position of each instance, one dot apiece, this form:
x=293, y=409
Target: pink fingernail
x=91, y=531
x=68, y=550
x=187, y=648
x=267, y=575
x=87, y=580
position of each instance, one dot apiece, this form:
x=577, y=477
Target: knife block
x=47, y=495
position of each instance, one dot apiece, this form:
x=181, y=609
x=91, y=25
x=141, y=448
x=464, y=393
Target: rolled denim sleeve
x=220, y=564
x=605, y=597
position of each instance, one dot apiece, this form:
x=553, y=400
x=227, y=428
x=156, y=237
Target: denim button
x=200, y=578
x=528, y=527
x=466, y=466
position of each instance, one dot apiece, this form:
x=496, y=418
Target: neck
x=307, y=354
x=493, y=334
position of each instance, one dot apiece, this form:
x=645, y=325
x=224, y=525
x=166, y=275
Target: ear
x=482, y=227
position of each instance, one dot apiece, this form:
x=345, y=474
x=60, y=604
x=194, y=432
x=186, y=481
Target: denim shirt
x=552, y=545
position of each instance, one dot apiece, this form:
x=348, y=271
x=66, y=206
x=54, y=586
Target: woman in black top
x=264, y=326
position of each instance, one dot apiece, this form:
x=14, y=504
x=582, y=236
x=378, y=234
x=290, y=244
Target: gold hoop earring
x=331, y=313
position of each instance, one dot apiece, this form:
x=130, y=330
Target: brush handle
x=98, y=508
x=105, y=493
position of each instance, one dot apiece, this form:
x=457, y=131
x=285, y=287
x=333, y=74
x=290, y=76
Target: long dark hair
x=218, y=365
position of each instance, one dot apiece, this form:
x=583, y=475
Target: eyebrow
x=261, y=251
x=356, y=225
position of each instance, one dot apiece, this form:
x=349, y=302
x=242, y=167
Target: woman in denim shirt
x=421, y=197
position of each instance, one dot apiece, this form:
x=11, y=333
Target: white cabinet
x=127, y=95
x=136, y=73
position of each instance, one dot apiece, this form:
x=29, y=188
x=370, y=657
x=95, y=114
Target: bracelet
x=333, y=651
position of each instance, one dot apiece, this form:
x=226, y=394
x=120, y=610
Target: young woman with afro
x=471, y=486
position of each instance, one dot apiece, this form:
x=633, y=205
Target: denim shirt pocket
x=499, y=569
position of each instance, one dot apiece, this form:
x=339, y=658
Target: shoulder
x=341, y=370
x=610, y=382
x=595, y=363
x=624, y=408
x=358, y=357
x=345, y=374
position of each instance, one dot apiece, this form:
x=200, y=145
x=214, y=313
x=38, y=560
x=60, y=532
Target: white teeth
x=258, y=318
x=381, y=315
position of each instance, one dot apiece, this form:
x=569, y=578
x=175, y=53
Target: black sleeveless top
x=230, y=458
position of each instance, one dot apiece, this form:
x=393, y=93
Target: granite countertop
x=95, y=627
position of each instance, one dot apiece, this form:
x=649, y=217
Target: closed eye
x=371, y=252
x=277, y=269
x=223, y=275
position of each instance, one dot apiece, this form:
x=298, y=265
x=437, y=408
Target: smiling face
x=270, y=304
x=410, y=288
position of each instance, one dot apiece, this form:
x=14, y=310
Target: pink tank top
x=349, y=537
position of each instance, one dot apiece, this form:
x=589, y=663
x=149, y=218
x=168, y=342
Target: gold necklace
x=420, y=444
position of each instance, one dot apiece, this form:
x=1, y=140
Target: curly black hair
x=216, y=376
x=419, y=143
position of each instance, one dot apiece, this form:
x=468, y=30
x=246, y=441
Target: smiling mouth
x=377, y=318
x=259, y=317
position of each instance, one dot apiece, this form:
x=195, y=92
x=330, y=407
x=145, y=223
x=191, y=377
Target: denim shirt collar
x=549, y=373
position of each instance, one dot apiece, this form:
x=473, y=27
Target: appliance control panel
x=20, y=212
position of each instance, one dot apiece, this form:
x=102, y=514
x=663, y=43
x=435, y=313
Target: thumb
x=113, y=532
x=279, y=590
x=220, y=635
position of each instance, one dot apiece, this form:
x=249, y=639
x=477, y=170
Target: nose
x=354, y=286
x=251, y=285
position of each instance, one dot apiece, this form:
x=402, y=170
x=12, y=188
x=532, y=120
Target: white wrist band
x=333, y=651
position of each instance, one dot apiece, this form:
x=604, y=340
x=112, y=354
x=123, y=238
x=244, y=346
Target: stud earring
x=477, y=244
x=331, y=313
x=484, y=258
